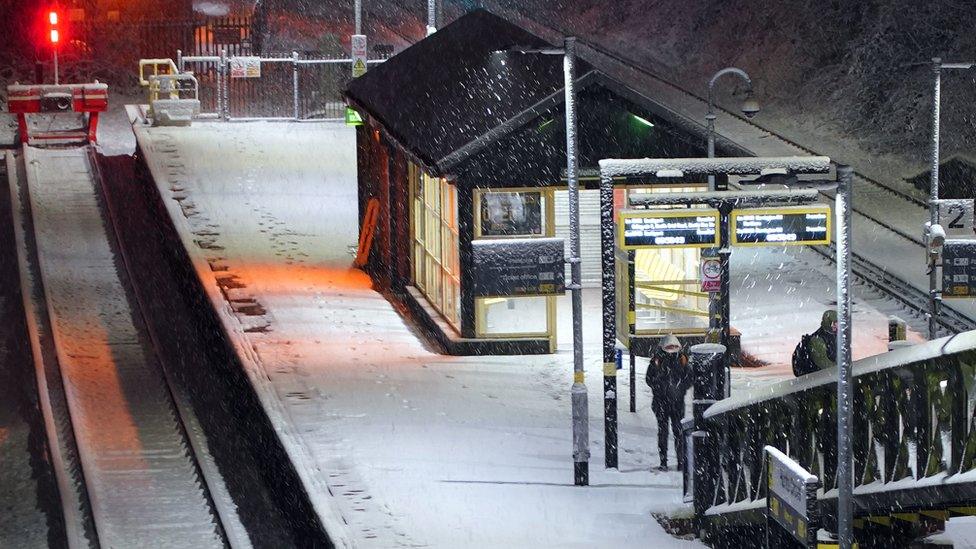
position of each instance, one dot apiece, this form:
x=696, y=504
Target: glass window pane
x=418, y=266
x=514, y=315
x=512, y=214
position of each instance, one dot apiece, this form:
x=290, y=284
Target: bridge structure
x=913, y=442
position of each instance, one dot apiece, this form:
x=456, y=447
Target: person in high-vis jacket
x=669, y=377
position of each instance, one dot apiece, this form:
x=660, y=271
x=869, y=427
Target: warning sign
x=245, y=67
x=358, y=55
x=711, y=274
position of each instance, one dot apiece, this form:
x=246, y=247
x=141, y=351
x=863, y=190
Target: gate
x=282, y=87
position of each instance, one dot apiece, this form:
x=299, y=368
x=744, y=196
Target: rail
x=914, y=439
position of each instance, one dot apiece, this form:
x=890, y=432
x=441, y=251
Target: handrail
x=914, y=436
x=928, y=350
x=156, y=64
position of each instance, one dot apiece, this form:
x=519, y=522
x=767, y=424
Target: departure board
x=806, y=225
x=685, y=228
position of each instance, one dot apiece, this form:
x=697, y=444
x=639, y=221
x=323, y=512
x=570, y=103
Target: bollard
x=707, y=361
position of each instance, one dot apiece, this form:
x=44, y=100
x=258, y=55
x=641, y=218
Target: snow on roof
x=458, y=84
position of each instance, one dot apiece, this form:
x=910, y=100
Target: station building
x=462, y=140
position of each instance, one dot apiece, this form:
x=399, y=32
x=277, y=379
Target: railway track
x=133, y=465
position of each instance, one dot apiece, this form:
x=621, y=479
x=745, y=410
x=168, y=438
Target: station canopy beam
x=669, y=170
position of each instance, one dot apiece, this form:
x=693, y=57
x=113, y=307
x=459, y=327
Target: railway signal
x=54, y=36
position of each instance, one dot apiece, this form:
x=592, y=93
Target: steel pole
x=431, y=17
x=632, y=325
x=359, y=16
x=226, y=65
x=294, y=83
x=581, y=437
x=719, y=306
x=56, y=75
x=845, y=394
x=934, y=296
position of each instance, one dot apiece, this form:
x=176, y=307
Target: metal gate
x=288, y=87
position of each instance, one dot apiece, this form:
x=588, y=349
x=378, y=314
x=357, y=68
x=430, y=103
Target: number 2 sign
x=956, y=216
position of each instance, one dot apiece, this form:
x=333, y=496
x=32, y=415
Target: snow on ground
x=384, y=418
x=416, y=448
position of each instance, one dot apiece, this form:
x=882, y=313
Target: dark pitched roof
x=439, y=96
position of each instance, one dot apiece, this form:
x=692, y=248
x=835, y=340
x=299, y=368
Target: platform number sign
x=791, y=504
x=956, y=216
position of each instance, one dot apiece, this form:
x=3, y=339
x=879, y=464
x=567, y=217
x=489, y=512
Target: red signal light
x=55, y=36
x=53, y=17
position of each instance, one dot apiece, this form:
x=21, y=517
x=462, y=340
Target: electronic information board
x=794, y=225
x=959, y=268
x=685, y=228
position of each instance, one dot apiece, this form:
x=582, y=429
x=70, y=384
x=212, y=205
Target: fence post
x=707, y=364
x=226, y=91
x=218, y=90
x=179, y=60
x=294, y=81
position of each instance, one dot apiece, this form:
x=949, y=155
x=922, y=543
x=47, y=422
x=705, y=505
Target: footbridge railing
x=913, y=440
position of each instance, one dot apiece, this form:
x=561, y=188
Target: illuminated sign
x=807, y=225
x=685, y=228
x=518, y=267
x=959, y=268
x=353, y=118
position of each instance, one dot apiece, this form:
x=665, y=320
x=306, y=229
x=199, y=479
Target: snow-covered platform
x=397, y=445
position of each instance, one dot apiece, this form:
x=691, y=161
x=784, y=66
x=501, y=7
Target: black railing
x=914, y=436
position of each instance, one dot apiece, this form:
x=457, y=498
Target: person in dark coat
x=669, y=377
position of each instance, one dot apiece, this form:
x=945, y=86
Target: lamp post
x=719, y=308
x=935, y=297
x=581, y=442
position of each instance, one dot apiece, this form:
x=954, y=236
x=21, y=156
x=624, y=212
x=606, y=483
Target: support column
x=609, y=323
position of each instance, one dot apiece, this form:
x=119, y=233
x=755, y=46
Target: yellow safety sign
x=358, y=68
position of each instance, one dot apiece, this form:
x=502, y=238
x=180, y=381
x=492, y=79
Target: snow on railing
x=913, y=430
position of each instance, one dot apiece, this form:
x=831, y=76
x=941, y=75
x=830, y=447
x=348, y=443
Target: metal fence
x=289, y=87
x=116, y=44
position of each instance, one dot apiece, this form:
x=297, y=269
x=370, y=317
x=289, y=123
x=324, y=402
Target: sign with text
x=956, y=216
x=505, y=267
x=959, y=268
x=685, y=228
x=358, y=55
x=245, y=67
x=711, y=274
x=791, y=502
x=806, y=225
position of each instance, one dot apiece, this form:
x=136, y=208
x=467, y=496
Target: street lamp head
x=750, y=107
